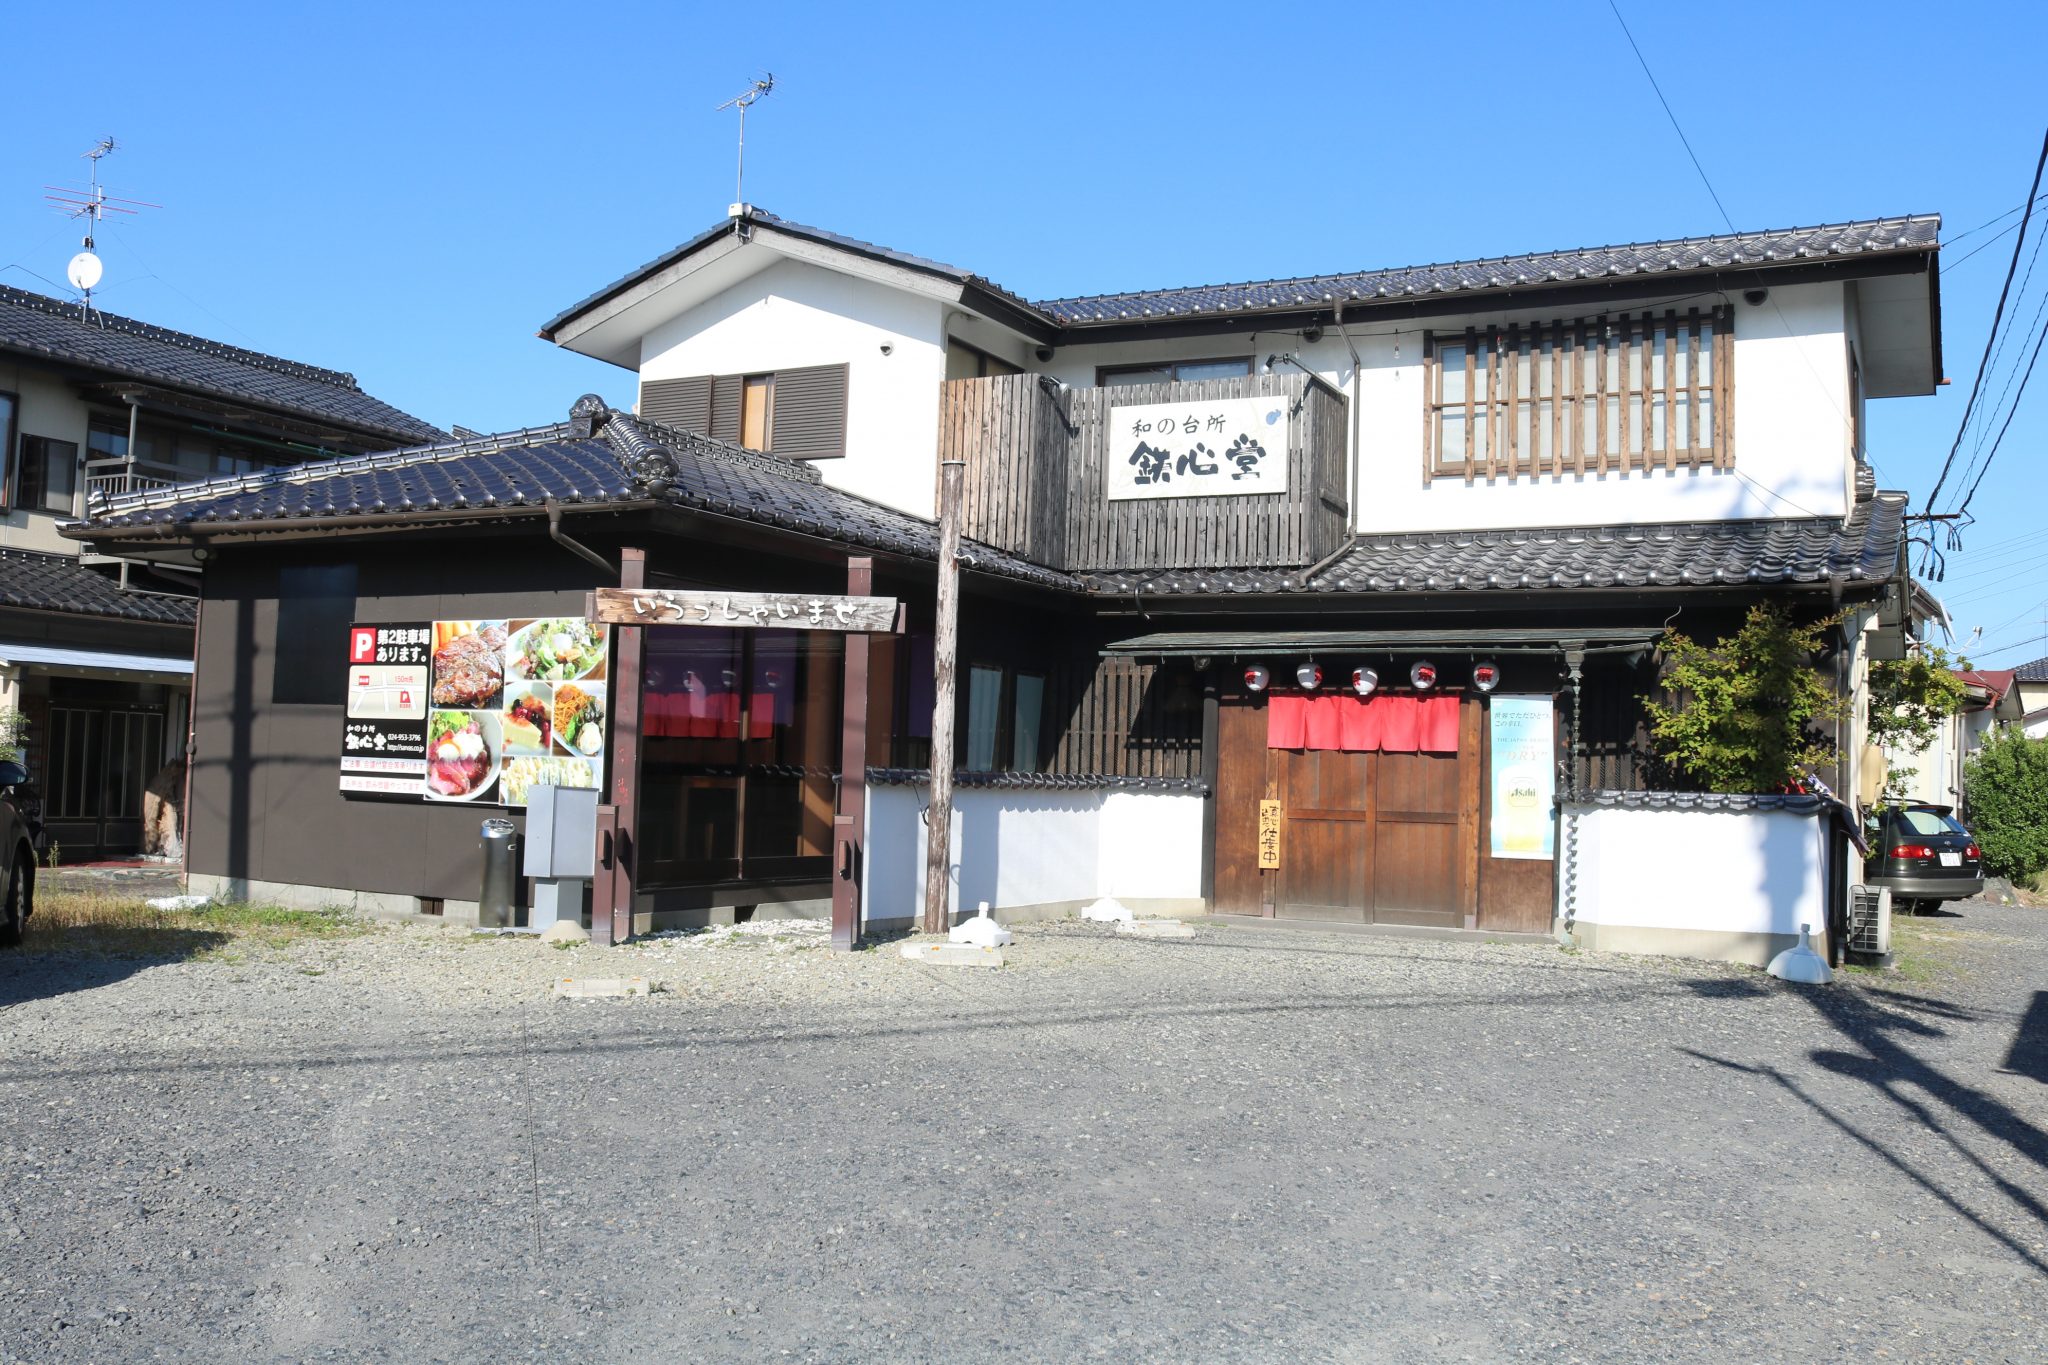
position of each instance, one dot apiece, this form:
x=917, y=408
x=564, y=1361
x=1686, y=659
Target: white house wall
x=1791, y=428
x=1032, y=853
x=794, y=314
x=1734, y=885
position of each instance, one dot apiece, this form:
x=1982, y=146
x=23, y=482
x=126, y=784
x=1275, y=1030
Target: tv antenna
x=743, y=102
x=93, y=204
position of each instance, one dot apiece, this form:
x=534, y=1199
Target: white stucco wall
x=1792, y=407
x=1019, y=849
x=1700, y=872
x=793, y=314
x=1791, y=425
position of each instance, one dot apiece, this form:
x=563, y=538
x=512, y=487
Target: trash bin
x=500, y=876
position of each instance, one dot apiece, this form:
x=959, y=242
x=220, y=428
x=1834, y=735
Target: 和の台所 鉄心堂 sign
x=1203, y=448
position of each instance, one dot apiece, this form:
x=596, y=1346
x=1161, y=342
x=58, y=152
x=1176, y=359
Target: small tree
x=1738, y=715
x=2005, y=794
x=1910, y=699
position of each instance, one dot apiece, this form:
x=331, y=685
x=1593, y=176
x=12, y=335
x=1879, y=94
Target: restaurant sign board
x=475, y=711
x=742, y=610
x=1201, y=448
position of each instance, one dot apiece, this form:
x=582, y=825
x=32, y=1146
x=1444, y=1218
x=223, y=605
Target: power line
x=2010, y=414
x=1687, y=143
x=1997, y=317
x=1988, y=222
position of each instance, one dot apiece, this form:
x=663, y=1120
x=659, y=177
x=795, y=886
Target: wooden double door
x=1372, y=838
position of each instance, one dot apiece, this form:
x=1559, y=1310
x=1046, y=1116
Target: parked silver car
x=20, y=832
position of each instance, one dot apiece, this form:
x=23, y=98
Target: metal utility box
x=561, y=832
x=561, y=851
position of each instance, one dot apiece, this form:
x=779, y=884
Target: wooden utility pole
x=849, y=814
x=938, y=855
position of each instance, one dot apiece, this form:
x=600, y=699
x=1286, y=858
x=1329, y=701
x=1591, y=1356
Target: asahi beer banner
x=1523, y=744
x=1220, y=447
x=475, y=711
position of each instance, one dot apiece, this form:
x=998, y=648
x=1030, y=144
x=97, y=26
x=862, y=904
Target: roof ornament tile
x=650, y=464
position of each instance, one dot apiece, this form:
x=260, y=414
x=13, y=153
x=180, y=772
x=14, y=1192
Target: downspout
x=1357, y=460
x=575, y=547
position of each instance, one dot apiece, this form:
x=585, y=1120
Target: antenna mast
x=744, y=102
x=92, y=204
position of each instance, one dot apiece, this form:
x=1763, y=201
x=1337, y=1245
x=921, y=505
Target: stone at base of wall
x=1713, y=945
x=289, y=896
x=1169, y=908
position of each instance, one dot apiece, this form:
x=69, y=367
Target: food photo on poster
x=475, y=711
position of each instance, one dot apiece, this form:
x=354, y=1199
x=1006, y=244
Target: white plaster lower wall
x=1019, y=849
x=1700, y=872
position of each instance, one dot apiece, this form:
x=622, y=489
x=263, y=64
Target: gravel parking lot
x=1256, y=1144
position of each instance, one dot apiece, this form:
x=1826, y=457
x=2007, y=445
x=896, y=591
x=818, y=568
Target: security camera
x=1044, y=353
x=888, y=348
x=1755, y=297
x=1312, y=334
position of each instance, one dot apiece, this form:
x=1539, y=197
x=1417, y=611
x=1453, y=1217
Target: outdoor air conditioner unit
x=1870, y=920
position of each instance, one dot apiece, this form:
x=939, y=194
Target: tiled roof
x=40, y=582
x=621, y=460
x=2036, y=671
x=1688, y=554
x=35, y=324
x=1828, y=242
x=762, y=217
x=1834, y=241
x=919, y=777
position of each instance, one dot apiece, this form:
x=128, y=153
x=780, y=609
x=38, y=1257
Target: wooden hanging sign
x=1269, y=834
x=742, y=610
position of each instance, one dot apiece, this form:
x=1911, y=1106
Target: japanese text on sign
x=742, y=610
x=1269, y=834
x=1219, y=447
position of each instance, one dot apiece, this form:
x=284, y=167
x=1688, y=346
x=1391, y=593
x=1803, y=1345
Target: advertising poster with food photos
x=475, y=711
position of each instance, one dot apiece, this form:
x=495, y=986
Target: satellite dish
x=84, y=271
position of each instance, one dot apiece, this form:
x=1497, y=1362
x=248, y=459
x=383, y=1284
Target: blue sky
x=407, y=192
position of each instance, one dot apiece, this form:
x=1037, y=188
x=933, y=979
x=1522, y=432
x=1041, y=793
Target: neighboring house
x=1993, y=702
x=1507, y=474
x=2032, y=679
x=96, y=654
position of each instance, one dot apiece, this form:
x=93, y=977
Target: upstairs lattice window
x=1637, y=392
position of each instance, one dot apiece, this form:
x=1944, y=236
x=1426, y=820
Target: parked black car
x=1923, y=853
x=20, y=833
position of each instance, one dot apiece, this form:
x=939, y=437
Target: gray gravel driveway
x=1257, y=1144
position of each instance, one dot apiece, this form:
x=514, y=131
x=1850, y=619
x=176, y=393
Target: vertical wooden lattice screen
x=1609, y=395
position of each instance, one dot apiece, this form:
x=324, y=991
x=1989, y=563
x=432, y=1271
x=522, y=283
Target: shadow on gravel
x=64, y=961
x=2028, y=1055
x=1939, y=1103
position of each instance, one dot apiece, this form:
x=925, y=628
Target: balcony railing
x=1051, y=476
x=110, y=478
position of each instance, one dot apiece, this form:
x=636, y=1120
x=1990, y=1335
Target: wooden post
x=945, y=646
x=613, y=922
x=851, y=811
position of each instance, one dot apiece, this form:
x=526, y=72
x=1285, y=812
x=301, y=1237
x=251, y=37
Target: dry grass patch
x=109, y=924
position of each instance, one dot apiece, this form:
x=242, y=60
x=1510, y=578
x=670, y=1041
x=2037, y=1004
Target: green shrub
x=2005, y=803
x=1740, y=714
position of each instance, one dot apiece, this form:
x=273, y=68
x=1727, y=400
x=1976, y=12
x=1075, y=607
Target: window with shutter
x=799, y=414
x=684, y=404
x=810, y=413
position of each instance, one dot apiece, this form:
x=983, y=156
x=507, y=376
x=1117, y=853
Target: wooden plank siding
x=1125, y=718
x=1037, y=477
